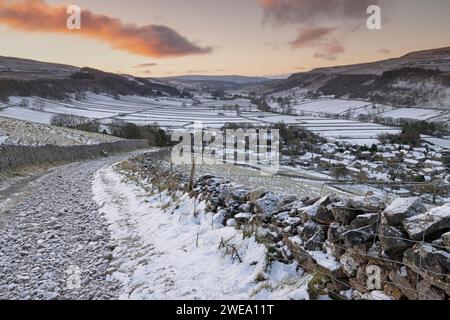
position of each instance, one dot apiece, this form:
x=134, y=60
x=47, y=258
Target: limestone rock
x=313, y=235
x=402, y=208
x=239, y=194
x=359, y=236
x=320, y=211
x=242, y=218
x=349, y=265
x=324, y=215
x=256, y=194
x=423, y=257
x=364, y=220
x=360, y=281
x=424, y=225
x=317, y=285
x=286, y=202
x=391, y=239
x=335, y=232
x=344, y=214
x=427, y=292
x=333, y=249
x=446, y=240
x=267, y=204
x=264, y=235
x=325, y=264
x=245, y=208
x=402, y=281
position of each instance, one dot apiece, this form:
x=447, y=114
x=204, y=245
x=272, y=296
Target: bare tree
x=38, y=105
x=24, y=103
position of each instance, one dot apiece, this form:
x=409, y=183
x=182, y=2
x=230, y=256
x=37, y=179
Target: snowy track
x=158, y=256
x=126, y=244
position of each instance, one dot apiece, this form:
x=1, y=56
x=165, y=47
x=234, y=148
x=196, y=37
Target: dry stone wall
x=12, y=156
x=354, y=246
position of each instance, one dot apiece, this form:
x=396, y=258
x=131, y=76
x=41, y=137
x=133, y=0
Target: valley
x=88, y=189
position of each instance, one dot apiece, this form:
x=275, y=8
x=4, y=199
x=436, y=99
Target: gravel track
x=52, y=228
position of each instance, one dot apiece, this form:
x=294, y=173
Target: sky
x=158, y=38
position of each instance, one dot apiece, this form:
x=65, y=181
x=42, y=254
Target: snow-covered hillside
x=17, y=68
x=19, y=132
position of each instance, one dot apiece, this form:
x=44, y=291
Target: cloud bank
x=151, y=40
x=319, y=21
x=306, y=11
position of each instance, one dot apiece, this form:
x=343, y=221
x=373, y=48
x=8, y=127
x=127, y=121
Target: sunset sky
x=248, y=37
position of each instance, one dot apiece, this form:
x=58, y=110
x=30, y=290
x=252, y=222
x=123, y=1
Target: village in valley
x=401, y=169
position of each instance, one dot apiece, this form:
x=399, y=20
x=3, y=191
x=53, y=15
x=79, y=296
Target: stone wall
x=12, y=156
x=348, y=243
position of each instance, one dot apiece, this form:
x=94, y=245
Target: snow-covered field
x=414, y=113
x=26, y=114
x=354, y=109
x=252, y=178
x=173, y=113
x=166, y=112
x=444, y=143
x=18, y=132
x=329, y=106
x=351, y=131
x=169, y=249
x=346, y=130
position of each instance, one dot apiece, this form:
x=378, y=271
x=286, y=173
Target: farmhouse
x=411, y=163
x=432, y=164
x=366, y=155
x=353, y=171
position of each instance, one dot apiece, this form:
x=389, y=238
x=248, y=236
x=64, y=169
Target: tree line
x=154, y=135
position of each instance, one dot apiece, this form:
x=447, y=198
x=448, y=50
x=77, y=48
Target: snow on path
x=156, y=255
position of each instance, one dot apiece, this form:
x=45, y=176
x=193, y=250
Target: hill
x=419, y=78
x=210, y=83
x=23, y=77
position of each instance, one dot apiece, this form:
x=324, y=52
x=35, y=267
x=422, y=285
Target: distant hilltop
x=419, y=78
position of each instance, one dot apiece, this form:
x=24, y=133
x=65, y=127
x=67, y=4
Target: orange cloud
x=329, y=51
x=310, y=36
x=150, y=40
x=328, y=48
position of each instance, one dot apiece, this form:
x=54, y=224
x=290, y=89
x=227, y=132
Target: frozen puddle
x=157, y=255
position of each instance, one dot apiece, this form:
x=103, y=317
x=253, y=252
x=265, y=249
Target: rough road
x=53, y=229
x=57, y=242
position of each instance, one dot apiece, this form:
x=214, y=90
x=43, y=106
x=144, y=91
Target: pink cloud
x=309, y=36
x=150, y=40
x=314, y=11
x=329, y=51
x=318, y=19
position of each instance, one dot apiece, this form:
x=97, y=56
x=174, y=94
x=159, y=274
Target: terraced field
x=171, y=113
